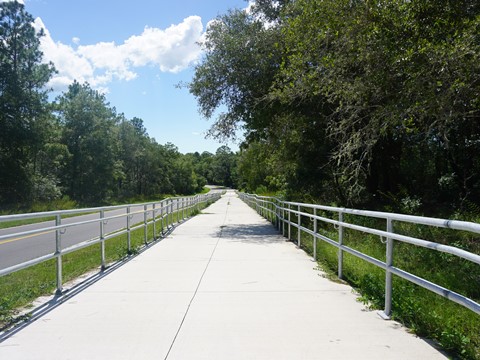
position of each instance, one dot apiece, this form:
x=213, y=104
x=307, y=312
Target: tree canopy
x=24, y=111
x=357, y=102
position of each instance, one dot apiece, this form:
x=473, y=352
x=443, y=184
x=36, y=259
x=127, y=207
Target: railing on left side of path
x=163, y=213
x=284, y=213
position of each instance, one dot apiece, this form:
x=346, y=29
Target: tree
x=224, y=167
x=23, y=101
x=351, y=101
x=133, y=143
x=241, y=60
x=397, y=74
x=89, y=132
x=244, y=55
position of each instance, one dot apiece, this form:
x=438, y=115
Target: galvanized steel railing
x=280, y=212
x=160, y=213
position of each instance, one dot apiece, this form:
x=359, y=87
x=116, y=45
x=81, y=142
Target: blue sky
x=135, y=52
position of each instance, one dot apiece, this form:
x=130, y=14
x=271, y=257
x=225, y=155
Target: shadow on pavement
x=257, y=233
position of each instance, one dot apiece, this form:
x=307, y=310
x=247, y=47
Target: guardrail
x=280, y=212
x=154, y=213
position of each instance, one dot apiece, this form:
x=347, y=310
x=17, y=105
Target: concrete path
x=223, y=285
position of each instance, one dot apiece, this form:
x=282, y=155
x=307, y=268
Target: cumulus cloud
x=250, y=6
x=170, y=50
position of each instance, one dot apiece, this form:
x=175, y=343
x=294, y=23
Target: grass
x=9, y=224
x=21, y=288
x=60, y=204
x=455, y=328
x=205, y=190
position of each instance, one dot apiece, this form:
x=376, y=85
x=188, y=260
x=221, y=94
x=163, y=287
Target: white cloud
x=171, y=50
x=249, y=7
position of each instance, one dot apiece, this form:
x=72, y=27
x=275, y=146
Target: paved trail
x=223, y=285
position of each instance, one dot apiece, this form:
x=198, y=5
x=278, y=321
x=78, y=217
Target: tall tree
x=398, y=74
x=224, y=167
x=238, y=69
x=89, y=131
x=23, y=101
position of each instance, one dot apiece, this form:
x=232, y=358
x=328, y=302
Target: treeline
x=78, y=146
x=363, y=103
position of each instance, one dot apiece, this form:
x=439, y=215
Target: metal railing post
x=180, y=210
x=283, y=218
x=340, y=244
x=289, y=223
x=183, y=208
x=145, y=224
x=388, y=273
x=273, y=213
x=154, y=223
x=315, y=230
x=277, y=212
x=270, y=211
x=184, y=200
x=167, y=215
x=102, y=239
x=58, y=253
x=299, y=224
x=129, y=235
x=162, y=220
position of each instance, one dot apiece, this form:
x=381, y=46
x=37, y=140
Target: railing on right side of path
x=284, y=213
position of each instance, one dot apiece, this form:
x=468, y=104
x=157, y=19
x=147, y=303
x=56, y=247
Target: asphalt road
x=27, y=247
x=20, y=248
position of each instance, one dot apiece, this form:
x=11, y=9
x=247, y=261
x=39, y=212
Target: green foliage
x=24, y=112
x=237, y=71
x=362, y=103
x=88, y=132
x=79, y=146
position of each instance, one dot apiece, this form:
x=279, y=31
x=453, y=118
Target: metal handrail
x=161, y=211
x=279, y=212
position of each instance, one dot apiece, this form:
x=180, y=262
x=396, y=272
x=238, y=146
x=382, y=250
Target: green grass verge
x=455, y=328
x=19, y=289
x=205, y=190
x=9, y=224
